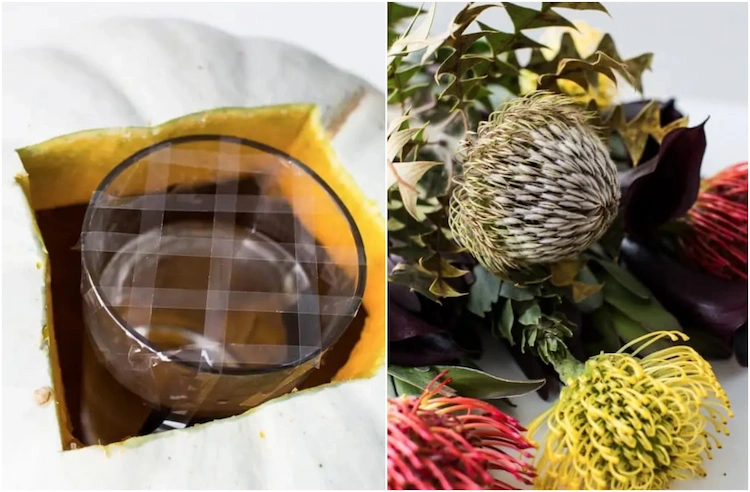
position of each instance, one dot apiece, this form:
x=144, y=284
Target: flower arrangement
x=531, y=210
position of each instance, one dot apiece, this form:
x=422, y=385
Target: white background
x=700, y=58
x=701, y=49
x=352, y=36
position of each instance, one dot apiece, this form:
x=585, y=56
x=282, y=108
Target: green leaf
x=467, y=382
x=398, y=12
x=594, y=301
x=603, y=323
x=402, y=77
x=510, y=291
x=531, y=315
x=405, y=389
x=650, y=315
x=483, y=292
x=574, y=6
x=505, y=326
x=612, y=239
x=526, y=18
x=628, y=329
x=401, y=95
x=624, y=278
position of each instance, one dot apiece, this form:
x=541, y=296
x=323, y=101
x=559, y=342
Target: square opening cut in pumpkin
x=200, y=268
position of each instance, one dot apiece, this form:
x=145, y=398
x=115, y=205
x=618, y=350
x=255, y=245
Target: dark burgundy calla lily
x=664, y=188
x=419, y=330
x=740, y=345
x=403, y=325
x=697, y=298
x=424, y=350
x=656, y=193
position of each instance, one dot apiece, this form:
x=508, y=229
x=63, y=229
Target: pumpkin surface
x=124, y=76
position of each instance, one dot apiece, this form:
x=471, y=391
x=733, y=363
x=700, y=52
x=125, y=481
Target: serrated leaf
x=506, y=321
x=467, y=382
x=647, y=123
x=445, y=269
x=527, y=18
x=394, y=225
x=409, y=253
x=440, y=242
x=578, y=71
x=583, y=291
x=502, y=42
x=483, y=292
x=531, y=315
x=413, y=38
x=460, y=91
x=407, y=175
x=624, y=278
x=412, y=277
x=575, y=6
x=441, y=288
x=510, y=291
x=564, y=272
x=397, y=141
x=394, y=125
x=448, y=38
x=636, y=66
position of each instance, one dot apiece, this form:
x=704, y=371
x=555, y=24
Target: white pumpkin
x=141, y=72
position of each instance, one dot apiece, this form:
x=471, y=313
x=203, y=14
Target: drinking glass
x=216, y=273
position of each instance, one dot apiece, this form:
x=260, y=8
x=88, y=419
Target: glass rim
x=336, y=330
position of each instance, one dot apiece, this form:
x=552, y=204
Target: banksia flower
x=448, y=443
x=628, y=423
x=716, y=241
x=538, y=185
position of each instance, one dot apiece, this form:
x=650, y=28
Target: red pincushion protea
x=453, y=443
x=717, y=239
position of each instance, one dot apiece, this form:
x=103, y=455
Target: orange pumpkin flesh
x=62, y=174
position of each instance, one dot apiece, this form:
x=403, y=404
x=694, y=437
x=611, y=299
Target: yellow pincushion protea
x=624, y=423
x=586, y=40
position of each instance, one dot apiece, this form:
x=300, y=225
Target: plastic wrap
x=207, y=286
